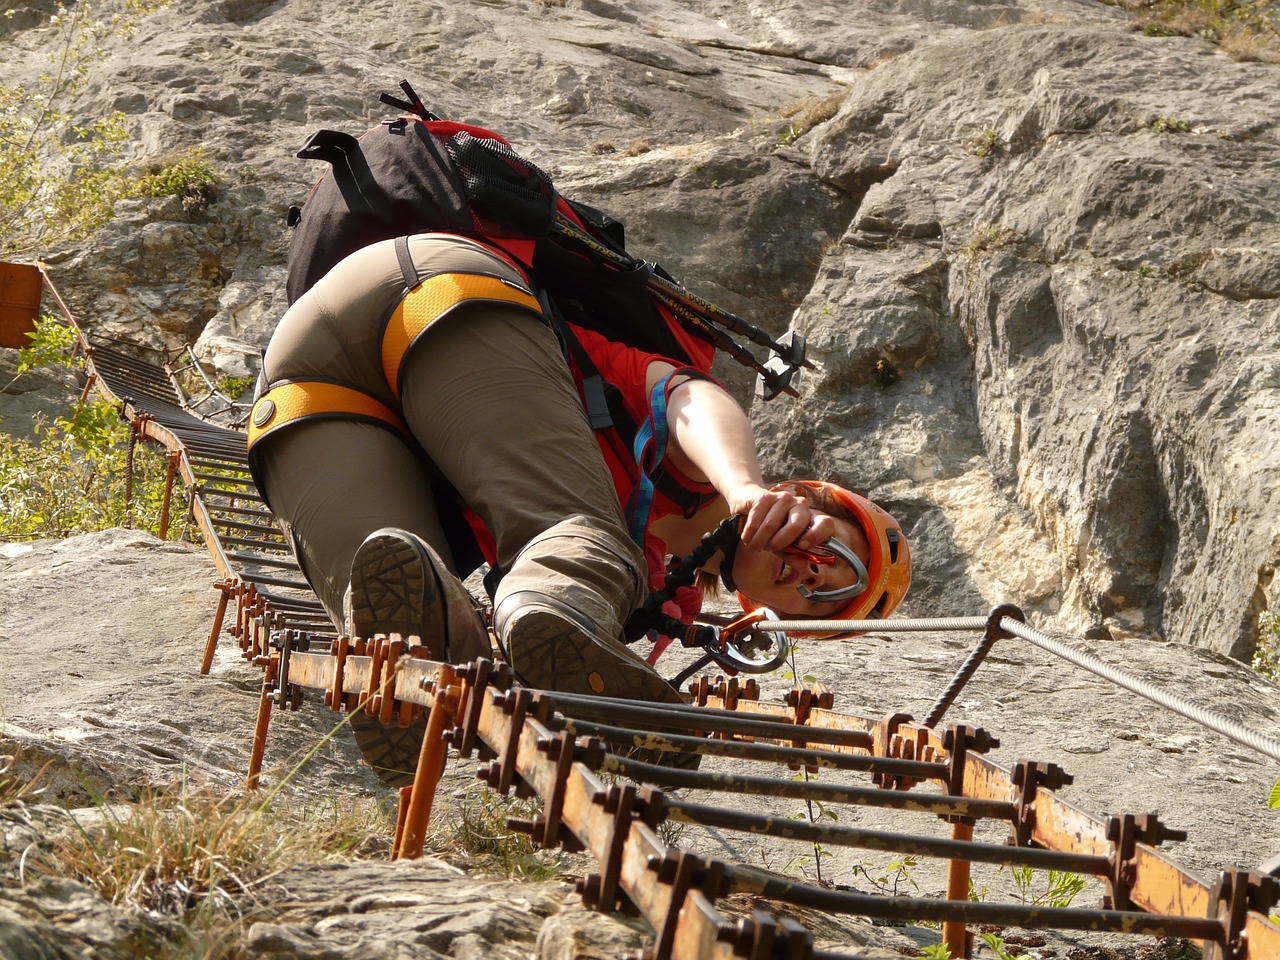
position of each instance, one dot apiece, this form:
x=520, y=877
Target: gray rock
x=1034, y=252
x=405, y=909
x=72, y=700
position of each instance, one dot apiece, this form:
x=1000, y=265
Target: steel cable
x=1206, y=718
x=1231, y=729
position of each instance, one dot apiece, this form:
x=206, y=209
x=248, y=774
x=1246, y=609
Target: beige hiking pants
x=490, y=408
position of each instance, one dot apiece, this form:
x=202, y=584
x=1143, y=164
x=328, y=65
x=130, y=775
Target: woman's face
x=770, y=578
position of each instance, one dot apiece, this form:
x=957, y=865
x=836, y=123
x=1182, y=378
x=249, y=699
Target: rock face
x=1035, y=253
x=1074, y=274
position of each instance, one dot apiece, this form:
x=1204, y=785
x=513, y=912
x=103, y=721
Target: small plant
x=814, y=810
x=1170, y=125
x=190, y=178
x=983, y=239
x=1273, y=799
x=1000, y=949
x=937, y=951
x=1145, y=270
x=985, y=144
x=887, y=373
x=1266, y=655
x=480, y=835
x=804, y=115
x=1060, y=887
x=891, y=879
x=234, y=387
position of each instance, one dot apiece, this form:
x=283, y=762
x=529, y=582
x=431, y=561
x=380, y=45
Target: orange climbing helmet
x=888, y=568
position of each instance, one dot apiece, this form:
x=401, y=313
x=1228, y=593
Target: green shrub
x=190, y=178
x=1170, y=125
x=234, y=387
x=53, y=344
x=75, y=475
x=60, y=175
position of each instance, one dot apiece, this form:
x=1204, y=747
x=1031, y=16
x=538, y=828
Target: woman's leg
x=334, y=483
x=488, y=395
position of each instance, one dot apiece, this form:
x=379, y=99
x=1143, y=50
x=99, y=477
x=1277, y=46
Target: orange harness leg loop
x=431, y=300
x=290, y=402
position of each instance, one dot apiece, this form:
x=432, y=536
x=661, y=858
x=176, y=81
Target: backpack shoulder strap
x=593, y=385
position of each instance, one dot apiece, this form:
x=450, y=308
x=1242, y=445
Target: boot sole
x=393, y=590
x=549, y=653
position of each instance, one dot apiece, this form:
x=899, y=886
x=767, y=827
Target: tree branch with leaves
x=61, y=175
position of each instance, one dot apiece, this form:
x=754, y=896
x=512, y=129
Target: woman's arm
x=711, y=439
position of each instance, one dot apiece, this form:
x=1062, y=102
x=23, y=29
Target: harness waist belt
x=290, y=402
x=431, y=300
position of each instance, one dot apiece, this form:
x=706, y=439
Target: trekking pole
x=792, y=353
x=413, y=105
x=722, y=341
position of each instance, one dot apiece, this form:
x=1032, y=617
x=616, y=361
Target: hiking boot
x=552, y=647
x=400, y=585
x=395, y=589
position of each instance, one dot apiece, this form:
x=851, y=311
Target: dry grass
x=192, y=852
x=1249, y=30
x=803, y=115
x=197, y=858
x=14, y=789
x=477, y=838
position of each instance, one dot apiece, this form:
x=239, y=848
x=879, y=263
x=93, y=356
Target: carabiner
x=855, y=563
x=737, y=640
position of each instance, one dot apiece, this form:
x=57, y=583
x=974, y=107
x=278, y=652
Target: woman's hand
x=711, y=439
x=779, y=517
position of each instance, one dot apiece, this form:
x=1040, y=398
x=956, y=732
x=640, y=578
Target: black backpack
x=418, y=173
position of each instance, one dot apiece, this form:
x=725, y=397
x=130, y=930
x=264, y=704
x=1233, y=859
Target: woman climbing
x=417, y=413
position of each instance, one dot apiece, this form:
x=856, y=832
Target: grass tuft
x=1248, y=30
x=191, y=852
x=479, y=839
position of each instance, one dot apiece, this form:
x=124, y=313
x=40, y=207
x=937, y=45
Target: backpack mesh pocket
x=509, y=196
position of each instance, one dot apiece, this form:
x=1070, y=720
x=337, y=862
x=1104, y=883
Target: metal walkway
x=605, y=769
